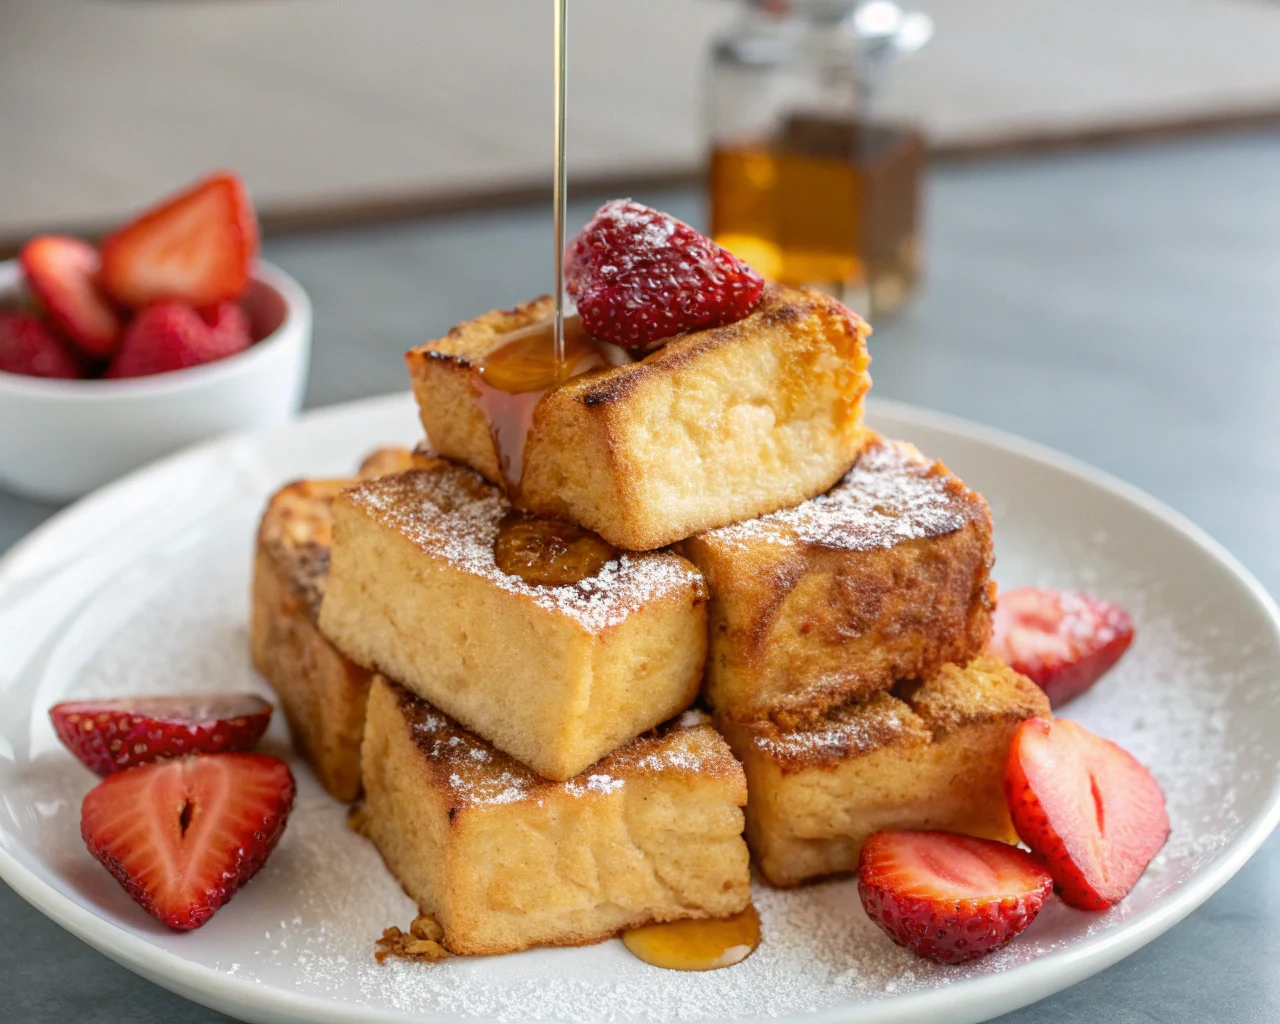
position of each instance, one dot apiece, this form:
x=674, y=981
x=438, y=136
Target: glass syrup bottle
x=811, y=183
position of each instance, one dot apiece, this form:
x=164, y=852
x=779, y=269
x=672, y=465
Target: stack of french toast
x=596, y=645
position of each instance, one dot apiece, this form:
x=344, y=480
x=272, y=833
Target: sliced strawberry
x=640, y=276
x=29, y=348
x=111, y=735
x=63, y=274
x=949, y=897
x=1063, y=640
x=172, y=336
x=197, y=247
x=182, y=836
x=1087, y=807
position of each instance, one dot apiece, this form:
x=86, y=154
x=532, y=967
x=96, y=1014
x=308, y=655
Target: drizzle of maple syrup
x=696, y=945
x=513, y=378
x=548, y=552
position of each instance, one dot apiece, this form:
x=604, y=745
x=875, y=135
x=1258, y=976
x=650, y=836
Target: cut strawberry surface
x=28, y=347
x=1062, y=640
x=640, y=276
x=198, y=247
x=111, y=735
x=949, y=897
x=63, y=274
x=1087, y=807
x=182, y=836
x=170, y=336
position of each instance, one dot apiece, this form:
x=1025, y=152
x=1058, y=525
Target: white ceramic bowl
x=60, y=439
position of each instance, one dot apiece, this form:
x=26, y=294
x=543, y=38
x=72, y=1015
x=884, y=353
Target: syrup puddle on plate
x=696, y=945
x=513, y=378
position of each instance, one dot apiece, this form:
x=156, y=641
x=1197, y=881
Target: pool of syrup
x=514, y=377
x=549, y=552
x=696, y=945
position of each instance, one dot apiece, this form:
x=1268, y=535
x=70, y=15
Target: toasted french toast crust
x=883, y=578
x=321, y=693
x=929, y=755
x=556, y=676
x=716, y=426
x=505, y=859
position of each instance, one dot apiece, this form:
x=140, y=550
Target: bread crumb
x=420, y=943
x=425, y=926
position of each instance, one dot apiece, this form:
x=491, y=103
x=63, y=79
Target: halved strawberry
x=1087, y=807
x=1063, y=640
x=949, y=897
x=63, y=274
x=182, y=836
x=198, y=247
x=111, y=735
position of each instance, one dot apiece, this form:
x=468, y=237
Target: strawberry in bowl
x=169, y=332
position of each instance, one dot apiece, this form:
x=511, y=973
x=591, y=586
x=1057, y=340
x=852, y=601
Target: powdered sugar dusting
x=893, y=494
x=453, y=514
x=846, y=731
x=477, y=774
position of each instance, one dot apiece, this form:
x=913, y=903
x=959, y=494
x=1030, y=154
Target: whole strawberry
x=949, y=897
x=182, y=836
x=640, y=276
x=28, y=347
x=111, y=735
x=169, y=336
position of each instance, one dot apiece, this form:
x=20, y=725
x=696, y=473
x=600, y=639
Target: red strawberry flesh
x=197, y=247
x=29, y=348
x=1086, y=807
x=169, y=336
x=640, y=276
x=949, y=897
x=111, y=735
x=63, y=274
x=1062, y=640
x=183, y=836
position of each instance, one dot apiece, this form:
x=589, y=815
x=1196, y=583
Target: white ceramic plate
x=143, y=587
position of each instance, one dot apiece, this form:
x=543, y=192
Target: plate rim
x=972, y=999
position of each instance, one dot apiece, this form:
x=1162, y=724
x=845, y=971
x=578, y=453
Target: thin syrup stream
x=561, y=177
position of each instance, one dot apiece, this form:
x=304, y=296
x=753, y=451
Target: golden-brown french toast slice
x=321, y=693
x=885, y=577
x=506, y=860
x=554, y=675
x=930, y=755
x=716, y=426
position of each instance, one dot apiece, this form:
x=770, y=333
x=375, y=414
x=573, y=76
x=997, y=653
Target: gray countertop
x=1123, y=307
